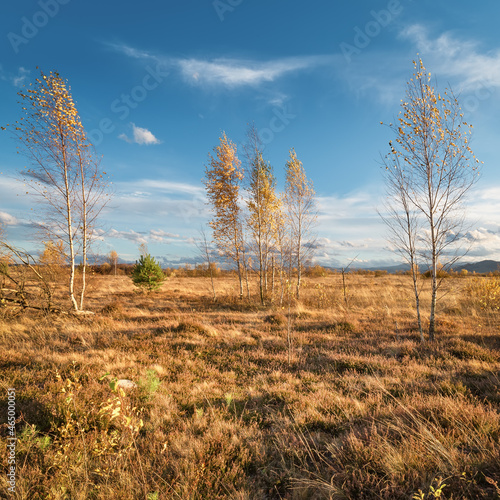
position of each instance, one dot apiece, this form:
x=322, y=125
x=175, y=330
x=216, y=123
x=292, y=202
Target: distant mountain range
x=482, y=267
x=485, y=266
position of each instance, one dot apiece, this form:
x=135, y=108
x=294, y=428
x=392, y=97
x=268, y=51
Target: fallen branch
x=25, y=305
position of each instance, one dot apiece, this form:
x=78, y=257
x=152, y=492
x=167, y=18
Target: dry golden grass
x=364, y=409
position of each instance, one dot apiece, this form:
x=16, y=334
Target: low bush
x=148, y=274
x=485, y=293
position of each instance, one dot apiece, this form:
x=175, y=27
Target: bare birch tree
x=301, y=213
x=93, y=197
x=434, y=158
x=64, y=173
x=402, y=219
x=283, y=246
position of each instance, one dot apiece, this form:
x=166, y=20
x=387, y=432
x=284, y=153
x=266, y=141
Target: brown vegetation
x=363, y=410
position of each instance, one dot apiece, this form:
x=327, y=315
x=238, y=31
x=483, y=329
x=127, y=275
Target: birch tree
x=263, y=207
x=223, y=176
x=64, y=173
x=283, y=245
x=403, y=221
x=432, y=154
x=113, y=260
x=92, y=198
x=301, y=215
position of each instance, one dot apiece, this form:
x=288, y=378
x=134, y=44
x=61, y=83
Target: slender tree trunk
x=84, y=268
x=272, y=276
x=432, y=319
x=261, y=273
x=299, y=256
x=410, y=231
x=419, y=318
x=344, y=288
x=212, y=281
x=245, y=268
x=238, y=252
x=69, y=225
x=299, y=279
x=282, y=263
x=417, y=298
x=259, y=240
x=84, y=232
x=240, y=278
x=299, y=273
x=266, y=266
x=289, y=328
x=282, y=286
x=246, y=282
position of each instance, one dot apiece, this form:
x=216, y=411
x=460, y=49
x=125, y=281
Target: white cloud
x=130, y=51
x=485, y=243
x=18, y=79
x=230, y=73
x=7, y=219
x=160, y=236
x=470, y=70
x=130, y=235
x=349, y=226
x=159, y=202
x=451, y=57
x=152, y=236
x=22, y=74
x=233, y=73
x=141, y=136
x=171, y=187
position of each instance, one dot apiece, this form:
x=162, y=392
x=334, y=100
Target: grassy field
x=359, y=408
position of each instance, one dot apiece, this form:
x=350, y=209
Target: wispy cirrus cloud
x=233, y=73
x=162, y=236
x=138, y=237
x=462, y=63
x=17, y=79
x=130, y=235
x=167, y=186
x=153, y=202
x=230, y=73
x=453, y=57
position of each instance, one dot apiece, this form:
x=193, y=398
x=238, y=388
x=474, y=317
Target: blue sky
x=157, y=82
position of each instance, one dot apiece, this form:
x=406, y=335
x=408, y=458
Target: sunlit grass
x=363, y=410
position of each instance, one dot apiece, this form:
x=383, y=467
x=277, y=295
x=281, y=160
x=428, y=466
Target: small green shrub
x=150, y=384
x=147, y=273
